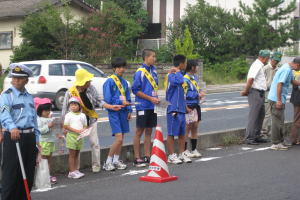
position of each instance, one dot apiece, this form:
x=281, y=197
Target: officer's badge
x=17, y=69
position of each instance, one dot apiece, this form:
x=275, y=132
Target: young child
x=116, y=92
x=176, y=111
x=75, y=123
x=45, y=125
x=193, y=96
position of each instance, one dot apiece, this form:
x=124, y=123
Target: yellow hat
x=82, y=76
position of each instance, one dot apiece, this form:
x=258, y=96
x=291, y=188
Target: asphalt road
x=220, y=111
x=232, y=173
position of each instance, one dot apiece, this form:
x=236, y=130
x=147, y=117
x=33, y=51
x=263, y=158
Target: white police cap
x=19, y=70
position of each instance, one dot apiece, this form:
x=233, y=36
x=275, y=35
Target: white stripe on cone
x=153, y=174
x=159, y=162
x=159, y=144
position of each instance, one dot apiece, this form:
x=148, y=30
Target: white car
x=52, y=78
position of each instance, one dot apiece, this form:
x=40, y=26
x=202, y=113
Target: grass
x=215, y=78
x=231, y=139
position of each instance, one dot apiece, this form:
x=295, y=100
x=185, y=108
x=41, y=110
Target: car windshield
x=36, y=68
x=93, y=70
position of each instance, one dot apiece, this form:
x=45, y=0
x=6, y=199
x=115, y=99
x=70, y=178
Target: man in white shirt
x=255, y=90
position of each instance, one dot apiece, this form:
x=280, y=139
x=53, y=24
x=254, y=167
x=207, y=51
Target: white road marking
x=262, y=149
x=246, y=148
x=48, y=189
x=207, y=159
x=234, y=154
x=214, y=149
x=134, y=172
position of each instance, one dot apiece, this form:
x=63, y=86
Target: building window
x=5, y=40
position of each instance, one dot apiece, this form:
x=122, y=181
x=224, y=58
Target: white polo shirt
x=256, y=72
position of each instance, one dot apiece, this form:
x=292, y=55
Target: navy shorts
x=118, y=122
x=176, y=124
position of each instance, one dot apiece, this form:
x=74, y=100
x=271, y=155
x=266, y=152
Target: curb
x=206, y=140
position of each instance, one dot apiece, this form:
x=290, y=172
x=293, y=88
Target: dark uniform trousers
x=12, y=180
x=256, y=116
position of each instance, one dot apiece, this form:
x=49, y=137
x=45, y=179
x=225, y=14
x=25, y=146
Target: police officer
x=19, y=121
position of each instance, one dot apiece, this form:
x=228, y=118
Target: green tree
x=47, y=35
x=267, y=24
x=134, y=9
x=186, y=45
x=108, y=33
x=213, y=31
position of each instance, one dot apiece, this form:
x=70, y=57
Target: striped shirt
x=92, y=95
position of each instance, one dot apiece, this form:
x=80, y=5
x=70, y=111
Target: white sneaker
x=74, y=175
x=79, y=173
x=96, y=169
x=196, y=154
x=120, y=165
x=278, y=147
x=188, y=153
x=174, y=159
x=183, y=156
x=109, y=167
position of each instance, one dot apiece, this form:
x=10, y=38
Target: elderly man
x=90, y=98
x=255, y=90
x=270, y=70
x=277, y=98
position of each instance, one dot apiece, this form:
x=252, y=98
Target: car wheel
x=59, y=99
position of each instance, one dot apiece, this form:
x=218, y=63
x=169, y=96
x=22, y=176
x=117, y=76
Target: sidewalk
x=217, y=88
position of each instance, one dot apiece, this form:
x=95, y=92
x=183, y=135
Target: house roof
x=17, y=8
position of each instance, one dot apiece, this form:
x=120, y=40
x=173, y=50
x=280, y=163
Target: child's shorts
x=72, y=142
x=176, y=124
x=118, y=122
x=47, y=148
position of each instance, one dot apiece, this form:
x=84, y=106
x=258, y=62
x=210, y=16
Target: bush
x=228, y=72
x=164, y=54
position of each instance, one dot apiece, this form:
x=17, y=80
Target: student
x=45, y=124
x=75, y=123
x=116, y=92
x=145, y=86
x=193, y=96
x=176, y=111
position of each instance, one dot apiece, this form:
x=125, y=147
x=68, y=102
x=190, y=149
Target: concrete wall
x=162, y=69
x=10, y=25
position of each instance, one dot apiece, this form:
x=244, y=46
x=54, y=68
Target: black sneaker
x=139, y=163
x=262, y=140
x=146, y=159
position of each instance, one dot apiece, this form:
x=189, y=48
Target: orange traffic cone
x=158, y=169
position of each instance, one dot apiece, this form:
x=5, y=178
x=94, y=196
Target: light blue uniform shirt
x=17, y=111
x=283, y=75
